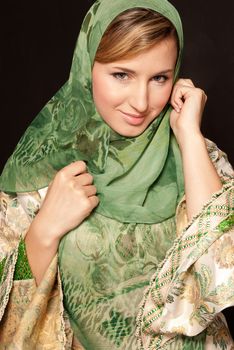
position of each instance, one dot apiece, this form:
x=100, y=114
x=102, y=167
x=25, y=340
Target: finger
x=84, y=179
x=173, y=118
x=75, y=168
x=177, y=98
x=186, y=82
x=175, y=105
x=179, y=95
x=90, y=190
x=94, y=200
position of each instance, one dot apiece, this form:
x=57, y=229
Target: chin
x=129, y=133
x=129, y=130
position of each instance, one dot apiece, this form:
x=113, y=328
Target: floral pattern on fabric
x=31, y=318
x=190, y=288
x=223, y=252
x=22, y=304
x=14, y=224
x=220, y=161
x=115, y=263
x=69, y=128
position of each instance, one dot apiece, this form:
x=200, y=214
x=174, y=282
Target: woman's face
x=129, y=94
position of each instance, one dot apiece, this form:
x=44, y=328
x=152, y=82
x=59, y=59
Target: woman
x=114, y=209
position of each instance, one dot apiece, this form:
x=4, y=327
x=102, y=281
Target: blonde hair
x=133, y=32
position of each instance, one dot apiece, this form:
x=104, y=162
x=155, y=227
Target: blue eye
x=120, y=75
x=160, y=78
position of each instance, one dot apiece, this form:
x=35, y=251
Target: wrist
x=191, y=141
x=41, y=234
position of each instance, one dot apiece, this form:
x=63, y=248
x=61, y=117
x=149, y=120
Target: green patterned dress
x=104, y=276
x=124, y=286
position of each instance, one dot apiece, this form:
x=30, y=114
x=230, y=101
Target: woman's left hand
x=200, y=176
x=188, y=103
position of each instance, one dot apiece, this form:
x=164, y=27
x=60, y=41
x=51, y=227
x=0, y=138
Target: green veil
x=138, y=179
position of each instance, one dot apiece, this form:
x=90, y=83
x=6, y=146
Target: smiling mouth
x=133, y=119
x=133, y=115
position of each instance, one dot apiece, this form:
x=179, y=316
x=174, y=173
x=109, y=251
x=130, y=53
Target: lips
x=133, y=119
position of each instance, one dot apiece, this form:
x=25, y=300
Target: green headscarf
x=138, y=179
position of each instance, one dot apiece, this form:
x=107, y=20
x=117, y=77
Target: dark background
x=38, y=39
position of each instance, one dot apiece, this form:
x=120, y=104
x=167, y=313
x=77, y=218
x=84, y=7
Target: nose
x=139, y=97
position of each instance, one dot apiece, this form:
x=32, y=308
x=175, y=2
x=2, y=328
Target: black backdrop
x=37, y=44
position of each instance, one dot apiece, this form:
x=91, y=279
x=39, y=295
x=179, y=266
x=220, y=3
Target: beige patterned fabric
x=194, y=283
x=32, y=317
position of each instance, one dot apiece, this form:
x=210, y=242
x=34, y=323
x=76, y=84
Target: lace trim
x=64, y=339
x=2, y=265
x=7, y=280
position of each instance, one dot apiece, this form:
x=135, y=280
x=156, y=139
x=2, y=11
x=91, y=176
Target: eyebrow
x=132, y=71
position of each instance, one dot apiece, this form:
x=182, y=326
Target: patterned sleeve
x=226, y=174
x=182, y=306
x=220, y=161
x=16, y=218
x=30, y=317
x=15, y=221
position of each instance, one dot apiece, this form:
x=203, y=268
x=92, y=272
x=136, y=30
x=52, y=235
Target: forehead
x=161, y=57
x=102, y=14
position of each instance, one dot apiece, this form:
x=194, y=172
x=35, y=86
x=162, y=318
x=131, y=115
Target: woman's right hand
x=71, y=197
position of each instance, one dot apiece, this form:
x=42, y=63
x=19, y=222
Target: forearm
x=71, y=197
x=201, y=178
x=40, y=252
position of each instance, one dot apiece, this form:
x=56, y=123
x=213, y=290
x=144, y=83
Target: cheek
x=160, y=98
x=104, y=94
x=98, y=91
